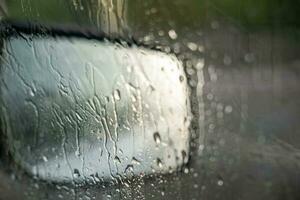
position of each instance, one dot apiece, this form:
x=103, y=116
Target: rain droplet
x=161, y=33
x=220, y=182
x=172, y=34
x=201, y=48
x=129, y=168
x=227, y=60
x=186, y=170
x=78, y=116
x=228, y=109
x=181, y=78
x=153, y=10
x=159, y=163
x=200, y=64
x=192, y=83
x=157, y=138
x=215, y=25
x=135, y=161
x=201, y=147
x=249, y=57
x=117, y=95
x=77, y=153
x=192, y=46
x=36, y=186
x=210, y=96
x=76, y=173
x=45, y=159
x=117, y=159
x=190, y=71
x=31, y=93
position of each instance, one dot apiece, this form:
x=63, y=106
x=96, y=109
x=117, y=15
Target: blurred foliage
x=39, y=10
x=248, y=13
x=262, y=12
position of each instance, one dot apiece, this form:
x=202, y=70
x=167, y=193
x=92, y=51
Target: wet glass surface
x=241, y=63
x=85, y=110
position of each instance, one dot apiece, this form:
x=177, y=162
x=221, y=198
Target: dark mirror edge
x=13, y=28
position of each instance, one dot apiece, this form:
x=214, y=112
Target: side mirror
x=83, y=109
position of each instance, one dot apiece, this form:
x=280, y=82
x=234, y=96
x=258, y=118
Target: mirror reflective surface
x=85, y=110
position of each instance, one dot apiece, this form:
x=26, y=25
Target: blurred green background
x=247, y=13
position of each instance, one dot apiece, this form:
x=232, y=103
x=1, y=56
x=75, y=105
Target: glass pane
x=240, y=61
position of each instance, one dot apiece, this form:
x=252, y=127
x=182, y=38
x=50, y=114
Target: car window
x=233, y=66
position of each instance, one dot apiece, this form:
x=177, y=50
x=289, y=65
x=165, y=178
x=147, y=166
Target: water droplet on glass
x=135, y=161
x=200, y=64
x=31, y=93
x=161, y=33
x=157, y=138
x=192, y=46
x=117, y=159
x=128, y=169
x=210, y=96
x=249, y=57
x=117, y=95
x=220, y=182
x=201, y=48
x=76, y=173
x=77, y=153
x=190, y=71
x=227, y=60
x=172, y=34
x=192, y=83
x=186, y=170
x=45, y=159
x=215, y=25
x=181, y=78
x=228, y=109
x=159, y=163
